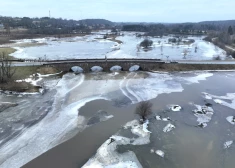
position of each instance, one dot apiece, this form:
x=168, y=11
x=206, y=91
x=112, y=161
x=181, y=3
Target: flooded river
x=72, y=122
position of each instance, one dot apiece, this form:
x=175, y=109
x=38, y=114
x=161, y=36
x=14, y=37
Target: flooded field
x=93, y=46
x=70, y=125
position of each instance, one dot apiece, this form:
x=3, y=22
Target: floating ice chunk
x=168, y=128
x=166, y=119
x=228, y=144
x=228, y=96
x=160, y=153
x=138, y=129
x=158, y=118
x=107, y=157
x=203, y=114
x=152, y=151
x=218, y=101
x=231, y=119
x=175, y=107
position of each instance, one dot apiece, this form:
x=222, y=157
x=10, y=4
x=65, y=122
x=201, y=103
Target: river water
x=65, y=126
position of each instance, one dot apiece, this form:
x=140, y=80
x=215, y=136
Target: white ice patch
x=139, y=130
x=203, y=114
x=220, y=99
x=159, y=118
x=231, y=119
x=160, y=153
x=174, y=107
x=145, y=127
x=228, y=144
x=107, y=157
x=30, y=80
x=168, y=128
x=139, y=89
x=199, y=77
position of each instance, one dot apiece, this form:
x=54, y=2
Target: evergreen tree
x=230, y=30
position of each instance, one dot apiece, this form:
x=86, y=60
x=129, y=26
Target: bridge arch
x=135, y=68
x=116, y=68
x=96, y=69
x=76, y=69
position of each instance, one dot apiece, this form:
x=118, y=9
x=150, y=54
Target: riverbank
x=18, y=82
x=175, y=67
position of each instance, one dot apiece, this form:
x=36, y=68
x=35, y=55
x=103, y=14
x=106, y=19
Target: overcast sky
x=123, y=10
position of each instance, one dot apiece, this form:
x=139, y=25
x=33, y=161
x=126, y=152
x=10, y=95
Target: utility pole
x=49, y=14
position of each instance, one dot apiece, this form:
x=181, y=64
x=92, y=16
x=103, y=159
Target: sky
x=167, y=11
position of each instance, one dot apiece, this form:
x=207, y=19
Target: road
x=122, y=60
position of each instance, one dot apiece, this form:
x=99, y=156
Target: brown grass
x=193, y=67
x=23, y=73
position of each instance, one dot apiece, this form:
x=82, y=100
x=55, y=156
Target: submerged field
x=94, y=46
x=83, y=111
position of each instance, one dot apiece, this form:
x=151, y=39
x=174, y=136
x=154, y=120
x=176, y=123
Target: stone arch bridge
x=106, y=64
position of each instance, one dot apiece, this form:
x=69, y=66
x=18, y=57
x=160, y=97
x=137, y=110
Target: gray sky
x=123, y=10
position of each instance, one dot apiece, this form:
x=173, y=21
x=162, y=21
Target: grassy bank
x=193, y=67
x=8, y=51
x=23, y=73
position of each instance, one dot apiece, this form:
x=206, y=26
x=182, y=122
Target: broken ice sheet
x=168, y=128
x=203, y=114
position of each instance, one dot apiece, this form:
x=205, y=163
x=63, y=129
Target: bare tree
x=144, y=109
x=185, y=52
x=6, y=70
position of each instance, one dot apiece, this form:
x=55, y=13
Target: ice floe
x=160, y=153
x=220, y=99
x=174, y=107
x=139, y=130
x=203, y=114
x=107, y=156
x=168, y=128
x=199, y=77
x=231, y=119
x=228, y=144
x=159, y=118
